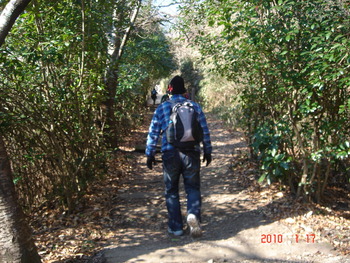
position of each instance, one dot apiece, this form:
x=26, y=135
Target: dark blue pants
x=187, y=164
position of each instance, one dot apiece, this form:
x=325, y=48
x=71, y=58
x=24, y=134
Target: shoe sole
x=175, y=233
x=195, y=229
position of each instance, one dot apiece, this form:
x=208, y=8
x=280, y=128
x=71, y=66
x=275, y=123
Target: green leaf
x=262, y=178
x=288, y=37
x=273, y=152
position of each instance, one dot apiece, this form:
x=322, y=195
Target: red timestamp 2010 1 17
x=280, y=238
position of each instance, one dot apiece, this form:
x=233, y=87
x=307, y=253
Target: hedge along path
x=235, y=225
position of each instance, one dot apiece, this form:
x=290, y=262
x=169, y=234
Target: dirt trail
x=234, y=224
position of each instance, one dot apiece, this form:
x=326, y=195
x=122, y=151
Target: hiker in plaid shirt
x=179, y=161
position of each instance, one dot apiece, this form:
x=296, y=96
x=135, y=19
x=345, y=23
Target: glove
x=150, y=161
x=207, y=157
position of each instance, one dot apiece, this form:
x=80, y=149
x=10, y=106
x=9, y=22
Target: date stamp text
x=281, y=238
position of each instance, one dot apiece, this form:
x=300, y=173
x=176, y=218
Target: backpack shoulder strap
x=175, y=105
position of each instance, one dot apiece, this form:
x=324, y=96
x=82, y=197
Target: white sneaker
x=195, y=229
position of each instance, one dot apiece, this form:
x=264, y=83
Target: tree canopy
x=290, y=60
x=73, y=74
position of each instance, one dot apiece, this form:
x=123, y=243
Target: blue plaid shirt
x=161, y=120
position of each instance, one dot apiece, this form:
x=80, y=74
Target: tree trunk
x=9, y=15
x=303, y=180
x=112, y=82
x=16, y=242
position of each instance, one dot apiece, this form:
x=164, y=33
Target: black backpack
x=184, y=130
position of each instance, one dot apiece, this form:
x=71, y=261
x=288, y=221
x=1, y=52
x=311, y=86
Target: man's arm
x=153, y=135
x=207, y=148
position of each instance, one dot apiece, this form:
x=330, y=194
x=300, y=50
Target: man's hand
x=207, y=157
x=150, y=161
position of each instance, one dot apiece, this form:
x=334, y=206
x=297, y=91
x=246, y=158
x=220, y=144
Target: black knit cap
x=178, y=85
